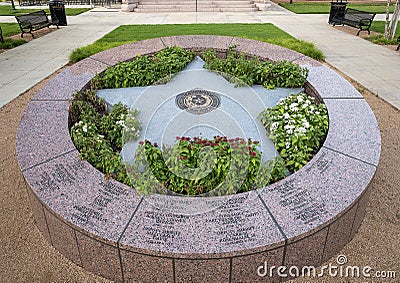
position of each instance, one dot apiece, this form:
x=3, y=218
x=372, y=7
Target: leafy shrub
x=201, y=166
x=145, y=70
x=99, y=135
x=241, y=70
x=298, y=127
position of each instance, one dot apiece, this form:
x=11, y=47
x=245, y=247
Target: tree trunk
x=395, y=19
x=387, y=23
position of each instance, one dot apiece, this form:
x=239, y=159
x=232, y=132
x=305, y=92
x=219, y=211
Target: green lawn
x=8, y=11
x=324, y=8
x=379, y=26
x=10, y=29
x=264, y=32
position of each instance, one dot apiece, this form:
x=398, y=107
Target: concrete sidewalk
x=375, y=67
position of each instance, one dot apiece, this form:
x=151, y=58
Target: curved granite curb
x=112, y=231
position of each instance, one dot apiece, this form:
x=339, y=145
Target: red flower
x=184, y=157
x=141, y=142
x=155, y=144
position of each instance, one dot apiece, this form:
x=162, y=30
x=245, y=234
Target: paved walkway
x=375, y=67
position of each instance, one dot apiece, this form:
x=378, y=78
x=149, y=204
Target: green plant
x=99, y=135
x=241, y=70
x=201, y=166
x=10, y=43
x=145, y=70
x=298, y=127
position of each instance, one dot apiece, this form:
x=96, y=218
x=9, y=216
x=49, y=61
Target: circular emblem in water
x=198, y=101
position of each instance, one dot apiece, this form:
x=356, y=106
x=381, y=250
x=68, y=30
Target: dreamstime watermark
x=341, y=270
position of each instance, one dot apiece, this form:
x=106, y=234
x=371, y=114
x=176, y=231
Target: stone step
x=179, y=5
x=199, y=3
x=150, y=6
x=193, y=9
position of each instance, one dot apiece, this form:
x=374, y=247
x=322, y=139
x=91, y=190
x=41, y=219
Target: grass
x=324, y=8
x=11, y=43
x=10, y=29
x=379, y=26
x=8, y=11
x=263, y=32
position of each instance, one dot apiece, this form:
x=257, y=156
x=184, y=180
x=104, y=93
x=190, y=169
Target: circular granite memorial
x=111, y=230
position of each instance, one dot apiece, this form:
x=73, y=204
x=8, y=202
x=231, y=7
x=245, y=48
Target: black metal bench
x=355, y=18
x=398, y=46
x=34, y=21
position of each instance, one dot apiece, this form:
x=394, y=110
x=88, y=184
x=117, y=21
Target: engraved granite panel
x=71, y=80
x=307, y=252
x=330, y=84
x=207, y=226
x=142, y=268
x=99, y=258
x=38, y=213
x=63, y=238
x=353, y=130
x=43, y=133
x=202, y=271
x=320, y=191
x=247, y=268
x=339, y=233
x=80, y=194
x=362, y=205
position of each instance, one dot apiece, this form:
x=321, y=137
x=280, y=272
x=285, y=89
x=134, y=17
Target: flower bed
x=297, y=125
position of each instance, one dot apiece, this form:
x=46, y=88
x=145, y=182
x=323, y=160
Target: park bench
x=34, y=21
x=355, y=18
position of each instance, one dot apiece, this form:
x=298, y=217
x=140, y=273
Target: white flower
x=274, y=126
x=301, y=130
x=300, y=98
x=286, y=116
x=306, y=124
x=84, y=128
x=287, y=144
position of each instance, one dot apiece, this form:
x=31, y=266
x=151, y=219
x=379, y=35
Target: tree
x=391, y=25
